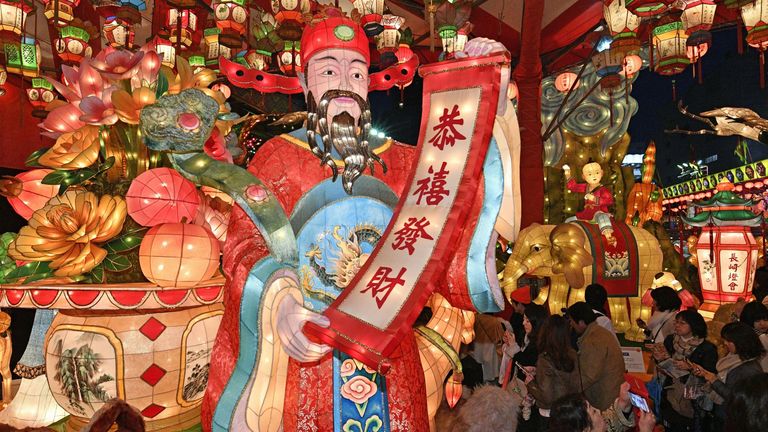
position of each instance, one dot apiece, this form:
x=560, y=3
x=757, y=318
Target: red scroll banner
x=378, y=308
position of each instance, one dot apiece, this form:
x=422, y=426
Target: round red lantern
x=72, y=43
x=178, y=255
x=161, y=195
x=289, y=15
x=566, y=81
x=632, y=65
x=26, y=193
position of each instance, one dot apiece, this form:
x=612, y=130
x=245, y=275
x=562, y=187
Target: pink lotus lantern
x=26, y=192
x=162, y=195
x=727, y=251
x=178, y=255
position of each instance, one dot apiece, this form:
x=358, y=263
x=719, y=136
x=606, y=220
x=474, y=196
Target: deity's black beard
x=348, y=138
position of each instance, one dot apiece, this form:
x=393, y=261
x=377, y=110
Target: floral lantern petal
x=63, y=120
x=32, y=194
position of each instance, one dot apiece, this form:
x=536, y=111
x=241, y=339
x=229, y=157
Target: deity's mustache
x=349, y=138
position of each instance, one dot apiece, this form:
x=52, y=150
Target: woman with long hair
x=573, y=413
x=745, y=409
x=755, y=315
x=742, y=362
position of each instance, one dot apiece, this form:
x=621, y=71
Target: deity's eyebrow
x=327, y=58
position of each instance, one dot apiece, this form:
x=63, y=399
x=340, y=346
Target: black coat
x=705, y=355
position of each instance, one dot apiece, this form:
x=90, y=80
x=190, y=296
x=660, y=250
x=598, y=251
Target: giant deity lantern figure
x=374, y=231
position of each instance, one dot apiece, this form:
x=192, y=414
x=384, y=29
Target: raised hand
x=291, y=317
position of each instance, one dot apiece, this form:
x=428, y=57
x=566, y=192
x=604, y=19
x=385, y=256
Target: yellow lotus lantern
x=67, y=229
x=73, y=150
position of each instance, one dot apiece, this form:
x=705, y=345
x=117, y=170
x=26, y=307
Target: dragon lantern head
x=179, y=123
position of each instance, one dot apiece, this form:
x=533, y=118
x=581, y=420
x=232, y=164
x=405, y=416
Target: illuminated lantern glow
x=289, y=58
x=697, y=45
x=448, y=17
x=188, y=26
x=197, y=63
x=623, y=26
x=60, y=12
x=734, y=4
x=72, y=44
x=13, y=15
x=669, y=41
x=24, y=57
x=632, y=65
x=289, y=15
x=565, y=81
x=165, y=49
x=258, y=59
x=231, y=18
x=388, y=40
x=755, y=16
x=40, y=94
x=3, y=79
x=726, y=221
x=698, y=15
x=179, y=255
x=404, y=53
x=118, y=32
x=512, y=90
x=372, y=11
x=608, y=64
x=214, y=49
x=161, y=195
x=26, y=193
x=462, y=36
x=453, y=389
x=647, y=8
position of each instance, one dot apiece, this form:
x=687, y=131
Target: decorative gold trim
x=113, y=340
x=303, y=144
x=183, y=356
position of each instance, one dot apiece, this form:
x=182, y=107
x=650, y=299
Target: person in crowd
x=489, y=333
x=742, y=362
x=746, y=408
x=596, y=297
x=488, y=409
x=666, y=304
x=599, y=360
x=760, y=289
x=681, y=407
x=755, y=315
x=557, y=374
x=574, y=413
x=519, y=299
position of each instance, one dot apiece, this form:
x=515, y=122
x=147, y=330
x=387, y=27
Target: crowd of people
x=566, y=372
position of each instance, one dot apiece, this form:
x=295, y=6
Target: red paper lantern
x=565, y=81
x=161, y=195
x=231, y=18
x=647, y=8
x=72, y=44
x=60, y=12
x=289, y=15
x=26, y=193
x=40, y=95
x=188, y=26
x=118, y=32
x=632, y=65
x=178, y=255
x=289, y=58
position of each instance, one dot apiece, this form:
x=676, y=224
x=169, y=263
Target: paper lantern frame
x=179, y=255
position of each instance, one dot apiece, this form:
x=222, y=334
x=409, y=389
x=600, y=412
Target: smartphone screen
x=639, y=402
x=523, y=369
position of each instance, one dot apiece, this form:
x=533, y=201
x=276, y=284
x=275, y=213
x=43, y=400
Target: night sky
x=730, y=79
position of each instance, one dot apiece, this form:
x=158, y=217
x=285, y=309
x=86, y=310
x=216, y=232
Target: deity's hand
x=291, y=317
x=567, y=171
x=589, y=197
x=483, y=46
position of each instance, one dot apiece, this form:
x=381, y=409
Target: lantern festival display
x=755, y=16
x=118, y=32
x=289, y=58
x=24, y=57
x=258, y=59
x=623, y=25
x=13, y=15
x=165, y=49
x=40, y=94
x=26, y=193
x=196, y=62
x=162, y=195
x=727, y=251
x=669, y=42
x=289, y=15
x=186, y=27
x=697, y=19
x=179, y=255
x=372, y=11
x=633, y=63
x=72, y=44
x=565, y=81
x=388, y=40
x=648, y=8
x=60, y=12
x=231, y=18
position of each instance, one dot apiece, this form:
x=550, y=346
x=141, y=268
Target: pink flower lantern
x=26, y=192
x=160, y=196
x=178, y=255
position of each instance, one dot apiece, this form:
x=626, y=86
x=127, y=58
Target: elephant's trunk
x=513, y=270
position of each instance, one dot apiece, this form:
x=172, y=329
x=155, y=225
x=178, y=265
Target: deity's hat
x=333, y=32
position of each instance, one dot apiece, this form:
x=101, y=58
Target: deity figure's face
x=338, y=69
x=592, y=173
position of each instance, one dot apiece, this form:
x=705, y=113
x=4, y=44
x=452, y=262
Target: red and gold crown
x=333, y=32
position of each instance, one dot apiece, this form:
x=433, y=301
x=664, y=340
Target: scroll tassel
x=454, y=388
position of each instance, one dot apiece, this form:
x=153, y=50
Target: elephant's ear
x=569, y=256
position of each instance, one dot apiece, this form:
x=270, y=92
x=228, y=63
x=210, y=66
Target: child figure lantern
x=727, y=251
x=597, y=198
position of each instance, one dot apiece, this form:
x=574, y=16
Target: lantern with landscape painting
x=727, y=252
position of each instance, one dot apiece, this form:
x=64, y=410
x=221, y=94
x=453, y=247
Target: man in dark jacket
x=601, y=363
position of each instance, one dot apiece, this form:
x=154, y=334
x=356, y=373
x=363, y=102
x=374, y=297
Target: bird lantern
x=40, y=94
x=13, y=15
x=669, y=42
x=623, y=26
x=161, y=195
x=372, y=11
x=647, y=8
x=289, y=15
x=118, y=32
x=26, y=192
x=60, y=12
x=727, y=252
x=72, y=44
x=388, y=40
x=24, y=57
x=165, y=49
x=755, y=16
x=231, y=18
x=185, y=28
x=565, y=81
x=178, y=255
x=289, y=58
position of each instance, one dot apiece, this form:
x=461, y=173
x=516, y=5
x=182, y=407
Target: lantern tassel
x=674, y=91
x=762, y=68
x=740, y=37
x=701, y=76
